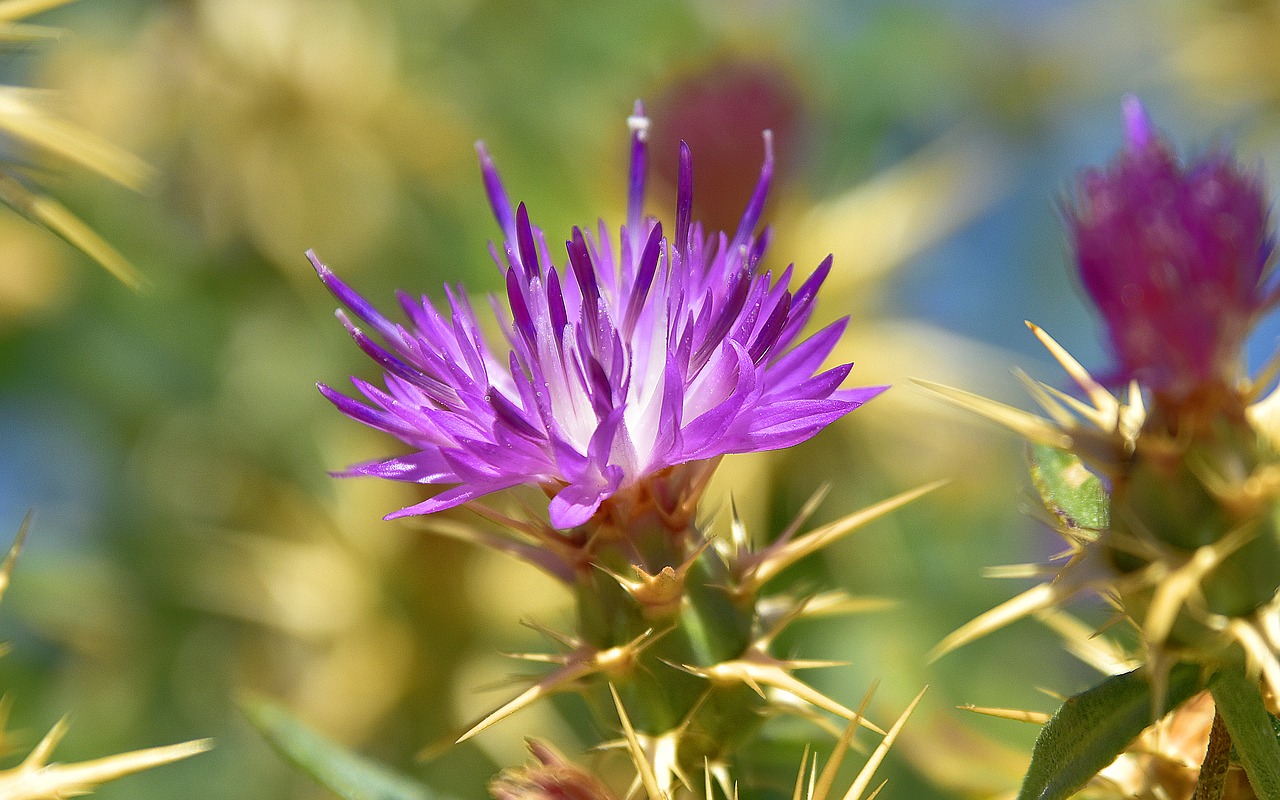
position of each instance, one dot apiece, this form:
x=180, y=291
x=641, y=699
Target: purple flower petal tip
x=865, y=394
x=1139, y=131
x=634, y=355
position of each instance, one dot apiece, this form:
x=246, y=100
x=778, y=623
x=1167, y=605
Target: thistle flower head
x=553, y=777
x=623, y=361
x=1175, y=256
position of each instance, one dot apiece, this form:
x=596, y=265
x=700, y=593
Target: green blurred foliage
x=190, y=546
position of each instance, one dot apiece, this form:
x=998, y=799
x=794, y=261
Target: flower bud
x=1174, y=256
x=552, y=778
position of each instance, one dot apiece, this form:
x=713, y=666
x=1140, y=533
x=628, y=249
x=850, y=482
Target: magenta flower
x=619, y=364
x=1176, y=258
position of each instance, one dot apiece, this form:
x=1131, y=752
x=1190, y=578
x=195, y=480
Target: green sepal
x=1252, y=729
x=349, y=776
x=1068, y=489
x=1094, y=727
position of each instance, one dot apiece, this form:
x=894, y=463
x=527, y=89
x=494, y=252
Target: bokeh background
x=189, y=546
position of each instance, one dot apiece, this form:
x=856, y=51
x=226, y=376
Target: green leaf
x=1094, y=727
x=1253, y=734
x=346, y=774
x=1068, y=489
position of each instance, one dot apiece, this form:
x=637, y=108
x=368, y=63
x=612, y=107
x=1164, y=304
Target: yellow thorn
x=1034, y=599
x=759, y=669
x=1028, y=425
x=1041, y=394
x=1257, y=652
x=778, y=557
x=785, y=618
x=737, y=529
x=1176, y=589
x=34, y=779
x=582, y=662
x=1100, y=419
x=535, y=553
x=798, y=792
x=1086, y=645
x=1057, y=697
x=645, y=770
x=1019, y=571
x=54, y=216
x=20, y=33
x=1132, y=415
x=800, y=663
x=666, y=759
x=540, y=658
x=530, y=526
x=806, y=511
x=12, y=10
x=40, y=755
x=27, y=121
x=626, y=583
x=6, y=568
x=552, y=683
x=750, y=681
x=836, y=602
x=564, y=639
x=868, y=770
x=1015, y=714
x=723, y=778
x=660, y=595
x=1102, y=399
x=823, y=790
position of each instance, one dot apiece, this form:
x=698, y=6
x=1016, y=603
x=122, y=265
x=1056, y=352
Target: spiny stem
x=1212, y=783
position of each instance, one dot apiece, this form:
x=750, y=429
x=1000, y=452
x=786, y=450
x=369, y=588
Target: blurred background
x=189, y=545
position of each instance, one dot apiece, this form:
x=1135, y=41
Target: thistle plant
x=625, y=375
x=1166, y=493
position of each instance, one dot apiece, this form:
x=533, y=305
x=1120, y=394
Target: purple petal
x=755, y=207
x=575, y=504
x=644, y=279
x=1137, y=124
x=859, y=395
x=788, y=424
x=349, y=298
x=358, y=411
x=684, y=197
x=450, y=498
x=528, y=249
x=423, y=466
x=804, y=359
x=497, y=194
x=639, y=125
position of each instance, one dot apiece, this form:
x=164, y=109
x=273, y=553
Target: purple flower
x=620, y=363
x=1175, y=258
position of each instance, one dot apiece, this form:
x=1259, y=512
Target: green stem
x=1239, y=701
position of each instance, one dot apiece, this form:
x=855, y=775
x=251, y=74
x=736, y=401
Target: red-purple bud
x=1175, y=256
x=552, y=778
